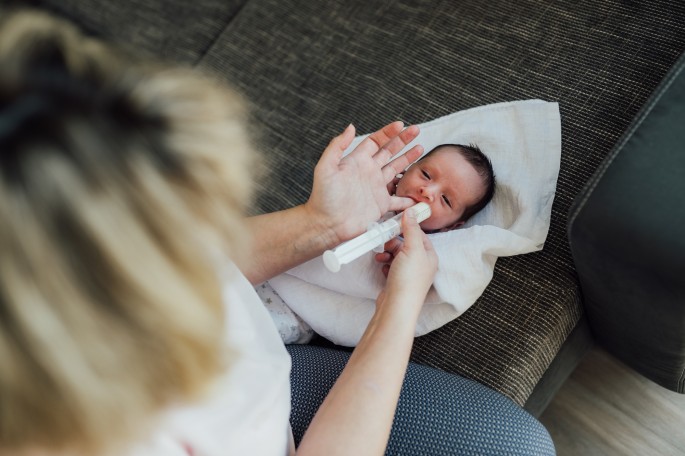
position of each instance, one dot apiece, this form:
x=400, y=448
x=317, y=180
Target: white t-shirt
x=248, y=410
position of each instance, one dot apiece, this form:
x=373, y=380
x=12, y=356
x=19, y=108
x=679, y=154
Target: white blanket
x=523, y=141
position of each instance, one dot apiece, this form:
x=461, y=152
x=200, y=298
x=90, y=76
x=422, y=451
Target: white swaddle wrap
x=523, y=141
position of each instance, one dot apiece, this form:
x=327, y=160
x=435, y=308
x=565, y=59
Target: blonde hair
x=120, y=185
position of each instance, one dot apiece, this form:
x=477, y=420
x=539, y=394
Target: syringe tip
x=422, y=211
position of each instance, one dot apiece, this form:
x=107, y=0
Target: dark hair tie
x=23, y=109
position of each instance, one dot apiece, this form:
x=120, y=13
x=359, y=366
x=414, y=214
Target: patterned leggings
x=438, y=413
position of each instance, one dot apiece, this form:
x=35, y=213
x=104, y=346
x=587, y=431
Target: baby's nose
x=427, y=193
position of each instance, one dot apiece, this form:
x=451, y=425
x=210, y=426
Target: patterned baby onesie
x=292, y=328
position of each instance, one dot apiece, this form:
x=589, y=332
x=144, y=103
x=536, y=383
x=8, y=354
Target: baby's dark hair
x=483, y=166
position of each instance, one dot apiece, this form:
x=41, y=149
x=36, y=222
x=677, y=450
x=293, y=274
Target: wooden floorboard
x=607, y=409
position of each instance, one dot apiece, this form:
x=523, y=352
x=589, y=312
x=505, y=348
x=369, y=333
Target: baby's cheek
x=430, y=224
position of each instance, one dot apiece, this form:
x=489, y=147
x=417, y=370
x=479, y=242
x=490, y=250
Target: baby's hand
x=390, y=249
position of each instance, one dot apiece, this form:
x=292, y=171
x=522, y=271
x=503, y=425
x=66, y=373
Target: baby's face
x=447, y=182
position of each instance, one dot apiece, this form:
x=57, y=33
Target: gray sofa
x=309, y=67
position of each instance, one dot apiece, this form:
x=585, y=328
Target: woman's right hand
x=356, y=416
x=411, y=267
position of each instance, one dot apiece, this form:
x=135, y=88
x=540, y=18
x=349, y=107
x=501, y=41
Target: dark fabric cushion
x=311, y=67
x=173, y=30
x=626, y=235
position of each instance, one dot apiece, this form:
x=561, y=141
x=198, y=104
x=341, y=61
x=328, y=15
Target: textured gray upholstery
x=173, y=30
x=309, y=67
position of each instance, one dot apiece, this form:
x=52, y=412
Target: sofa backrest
x=628, y=241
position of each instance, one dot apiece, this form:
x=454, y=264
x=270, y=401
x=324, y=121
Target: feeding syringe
x=377, y=235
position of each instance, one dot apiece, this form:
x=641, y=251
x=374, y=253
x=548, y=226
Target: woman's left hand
x=351, y=192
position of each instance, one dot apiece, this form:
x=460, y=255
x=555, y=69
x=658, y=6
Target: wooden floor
x=605, y=408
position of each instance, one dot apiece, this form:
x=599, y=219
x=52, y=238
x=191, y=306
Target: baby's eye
x=447, y=201
x=425, y=174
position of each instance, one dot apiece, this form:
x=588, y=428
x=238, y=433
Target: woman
x=125, y=327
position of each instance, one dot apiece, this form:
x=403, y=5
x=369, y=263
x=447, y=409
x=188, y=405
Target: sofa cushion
x=311, y=67
x=627, y=240
x=173, y=30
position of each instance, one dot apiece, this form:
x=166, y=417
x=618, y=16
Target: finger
x=393, y=246
x=401, y=163
x=411, y=230
x=427, y=244
x=395, y=145
x=385, y=134
x=378, y=139
x=334, y=152
x=384, y=257
x=385, y=269
x=400, y=203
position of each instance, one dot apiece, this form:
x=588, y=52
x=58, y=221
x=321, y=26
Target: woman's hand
x=351, y=192
x=356, y=416
x=348, y=194
x=413, y=266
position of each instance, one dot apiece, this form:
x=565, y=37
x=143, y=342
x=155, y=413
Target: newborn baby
x=455, y=180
